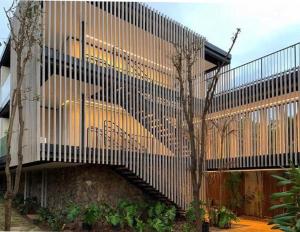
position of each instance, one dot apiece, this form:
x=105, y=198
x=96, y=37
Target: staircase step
x=145, y=187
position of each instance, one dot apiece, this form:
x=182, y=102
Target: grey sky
x=266, y=25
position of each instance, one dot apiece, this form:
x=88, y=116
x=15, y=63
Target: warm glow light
x=97, y=104
x=256, y=108
x=130, y=53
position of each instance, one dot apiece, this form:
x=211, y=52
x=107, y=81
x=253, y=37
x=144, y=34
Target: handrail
x=262, y=57
x=283, y=61
x=3, y=145
x=121, y=131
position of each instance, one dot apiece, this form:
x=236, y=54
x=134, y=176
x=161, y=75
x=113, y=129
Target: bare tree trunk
x=8, y=209
x=194, y=177
x=20, y=143
x=24, y=23
x=9, y=191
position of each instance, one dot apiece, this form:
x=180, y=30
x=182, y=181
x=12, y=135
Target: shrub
x=190, y=225
x=73, y=212
x=290, y=202
x=225, y=218
x=191, y=212
x=44, y=214
x=160, y=217
x=57, y=220
x=30, y=205
x=91, y=214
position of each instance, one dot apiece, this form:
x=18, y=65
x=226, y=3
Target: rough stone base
x=83, y=184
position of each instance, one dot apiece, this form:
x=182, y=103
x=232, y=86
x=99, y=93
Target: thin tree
x=183, y=60
x=24, y=22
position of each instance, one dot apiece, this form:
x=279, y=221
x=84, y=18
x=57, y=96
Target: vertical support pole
x=82, y=111
x=25, y=185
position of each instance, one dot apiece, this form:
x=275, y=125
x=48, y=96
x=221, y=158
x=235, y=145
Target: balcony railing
x=3, y=146
x=281, y=62
x=5, y=92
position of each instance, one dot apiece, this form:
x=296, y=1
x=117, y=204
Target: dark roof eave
x=216, y=55
x=5, y=57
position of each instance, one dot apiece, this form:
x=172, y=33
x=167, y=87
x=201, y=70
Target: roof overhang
x=215, y=55
x=5, y=56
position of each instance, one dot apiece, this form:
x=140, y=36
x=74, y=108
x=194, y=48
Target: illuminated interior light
x=97, y=104
x=130, y=53
x=255, y=108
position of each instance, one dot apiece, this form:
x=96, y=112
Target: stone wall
x=83, y=184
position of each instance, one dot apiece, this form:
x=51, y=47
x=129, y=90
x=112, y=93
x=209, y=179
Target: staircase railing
x=120, y=138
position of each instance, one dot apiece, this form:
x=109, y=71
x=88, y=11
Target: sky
x=267, y=25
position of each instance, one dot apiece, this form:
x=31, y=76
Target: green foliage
x=126, y=214
x=288, y=221
x=213, y=216
x=190, y=225
x=91, y=214
x=225, y=217
x=44, y=214
x=156, y=217
x=233, y=183
x=160, y=217
x=140, y=225
x=30, y=205
x=191, y=212
x=130, y=212
x=57, y=220
x=114, y=218
x=73, y=212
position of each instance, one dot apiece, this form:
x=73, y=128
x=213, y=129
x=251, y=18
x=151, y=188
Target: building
x=108, y=98
x=257, y=126
x=108, y=124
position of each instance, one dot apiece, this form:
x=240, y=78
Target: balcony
x=3, y=147
x=5, y=92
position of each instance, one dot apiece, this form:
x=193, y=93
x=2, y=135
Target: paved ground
x=19, y=223
x=248, y=225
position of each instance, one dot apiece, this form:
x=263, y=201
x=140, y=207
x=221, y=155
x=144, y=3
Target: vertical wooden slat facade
x=108, y=92
x=108, y=96
x=264, y=113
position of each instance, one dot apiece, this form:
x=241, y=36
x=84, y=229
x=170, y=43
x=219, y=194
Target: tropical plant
x=161, y=217
x=114, y=218
x=130, y=212
x=44, y=214
x=233, y=183
x=191, y=212
x=29, y=205
x=288, y=221
x=225, y=218
x=91, y=214
x=57, y=220
x=73, y=212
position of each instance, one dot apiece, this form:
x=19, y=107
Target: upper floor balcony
x=5, y=94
